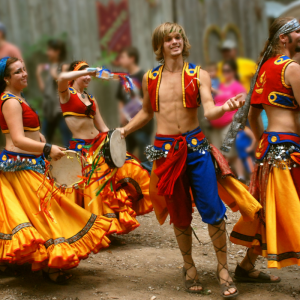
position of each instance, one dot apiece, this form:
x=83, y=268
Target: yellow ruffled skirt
x=277, y=235
x=121, y=200
x=58, y=240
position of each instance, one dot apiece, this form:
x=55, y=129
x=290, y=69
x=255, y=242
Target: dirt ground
x=148, y=267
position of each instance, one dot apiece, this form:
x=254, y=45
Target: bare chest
x=170, y=89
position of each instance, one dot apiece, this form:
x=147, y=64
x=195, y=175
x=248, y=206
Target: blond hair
x=158, y=38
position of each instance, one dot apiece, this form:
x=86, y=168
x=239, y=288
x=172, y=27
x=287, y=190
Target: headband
x=240, y=117
x=76, y=68
x=3, y=66
x=79, y=65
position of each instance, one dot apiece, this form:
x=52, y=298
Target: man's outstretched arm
x=143, y=116
x=212, y=112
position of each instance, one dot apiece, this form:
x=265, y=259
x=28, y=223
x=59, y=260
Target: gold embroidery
x=72, y=91
x=281, y=60
x=157, y=87
x=273, y=97
x=282, y=75
x=6, y=96
x=191, y=72
x=182, y=83
x=262, y=80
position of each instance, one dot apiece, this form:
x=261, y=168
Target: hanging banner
x=114, y=25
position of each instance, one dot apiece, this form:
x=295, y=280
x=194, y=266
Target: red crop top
x=31, y=120
x=271, y=88
x=75, y=107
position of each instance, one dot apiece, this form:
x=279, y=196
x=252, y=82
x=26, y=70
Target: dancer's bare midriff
x=9, y=145
x=82, y=127
x=282, y=119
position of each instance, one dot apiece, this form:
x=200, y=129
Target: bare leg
x=184, y=240
x=248, y=265
x=218, y=237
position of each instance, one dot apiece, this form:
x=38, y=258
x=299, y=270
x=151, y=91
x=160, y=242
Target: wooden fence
x=207, y=22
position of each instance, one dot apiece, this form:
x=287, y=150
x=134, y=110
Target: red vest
x=75, y=107
x=31, y=120
x=190, y=85
x=271, y=88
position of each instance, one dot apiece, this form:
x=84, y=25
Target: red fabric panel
x=173, y=167
x=179, y=205
x=30, y=118
x=295, y=172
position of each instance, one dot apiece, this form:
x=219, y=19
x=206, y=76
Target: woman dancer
x=125, y=194
x=38, y=224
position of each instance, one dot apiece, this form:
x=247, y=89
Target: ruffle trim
x=132, y=189
x=67, y=256
x=124, y=224
x=23, y=247
x=27, y=246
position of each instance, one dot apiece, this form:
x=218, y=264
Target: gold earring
x=7, y=82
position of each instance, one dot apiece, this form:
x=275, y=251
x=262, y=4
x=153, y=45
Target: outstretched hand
x=234, y=103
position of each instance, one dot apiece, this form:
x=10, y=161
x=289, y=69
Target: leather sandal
x=226, y=286
x=242, y=275
x=188, y=283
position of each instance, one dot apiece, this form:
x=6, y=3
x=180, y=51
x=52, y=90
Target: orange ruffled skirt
x=276, y=236
x=124, y=199
x=29, y=235
x=125, y=196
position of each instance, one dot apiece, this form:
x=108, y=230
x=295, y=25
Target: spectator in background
x=6, y=48
x=130, y=103
x=245, y=144
x=230, y=88
x=246, y=67
x=212, y=70
x=47, y=75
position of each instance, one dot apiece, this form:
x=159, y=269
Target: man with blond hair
x=181, y=155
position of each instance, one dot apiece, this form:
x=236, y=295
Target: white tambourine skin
x=65, y=171
x=117, y=149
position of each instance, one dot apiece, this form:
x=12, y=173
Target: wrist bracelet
x=47, y=149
